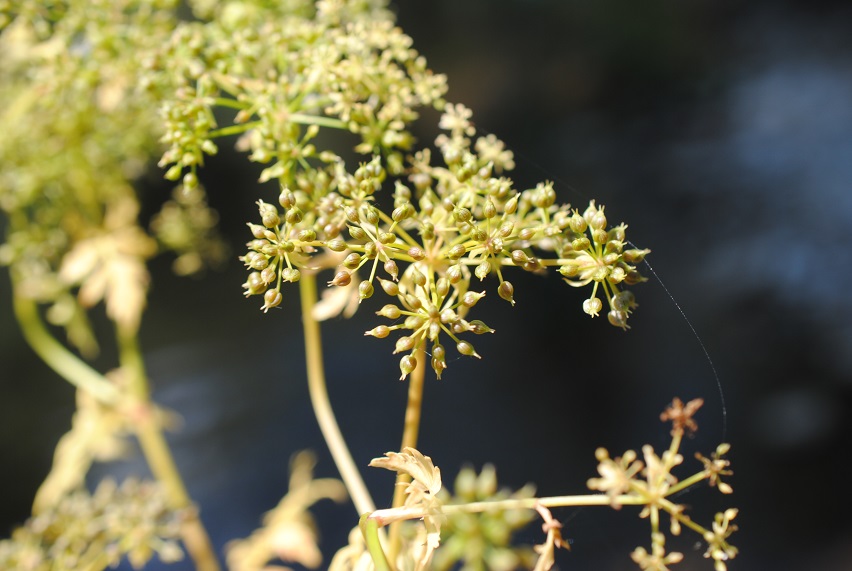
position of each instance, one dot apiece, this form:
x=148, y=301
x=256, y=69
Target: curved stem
x=158, y=455
x=57, y=356
x=410, y=433
x=322, y=406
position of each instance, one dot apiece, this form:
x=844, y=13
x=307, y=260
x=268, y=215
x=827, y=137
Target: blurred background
x=720, y=132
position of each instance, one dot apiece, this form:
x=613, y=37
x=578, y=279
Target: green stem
x=410, y=434
x=320, y=401
x=157, y=453
x=57, y=356
x=370, y=531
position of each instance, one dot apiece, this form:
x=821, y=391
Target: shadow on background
x=721, y=132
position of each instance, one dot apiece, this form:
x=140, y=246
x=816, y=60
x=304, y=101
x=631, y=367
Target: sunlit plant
x=92, y=91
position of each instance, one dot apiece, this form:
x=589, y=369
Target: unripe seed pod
x=635, y=256
x=610, y=259
x=291, y=275
x=286, y=199
x=268, y=214
x=466, y=348
x=387, y=237
x=417, y=277
x=268, y=275
x=372, y=216
x=287, y=246
x=462, y=215
x=479, y=234
x=406, y=365
x=489, y=210
x=580, y=244
x=592, y=306
x=617, y=233
x=454, y=274
x=470, y=298
x=507, y=291
x=352, y=214
x=590, y=212
x=427, y=231
x=391, y=288
x=271, y=298
x=442, y=287
x=460, y=326
x=341, y=278
x=519, y=257
x=482, y=269
x=506, y=229
x=390, y=311
x=511, y=206
x=478, y=327
x=254, y=284
x=370, y=250
x=391, y=269
x=622, y=301
x=365, y=290
x=413, y=322
x=438, y=365
x=439, y=352
x=634, y=277
x=599, y=236
x=617, y=275
x=336, y=245
x=613, y=245
x=526, y=234
x=402, y=212
x=294, y=215
x=351, y=261
x=307, y=235
x=404, y=343
x=413, y=302
x=357, y=233
x=416, y=253
x=379, y=332
x=618, y=318
x=495, y=245
x=257, y=230
x=456, y=252
x=598, y=221
x=434, y=331
x=578, y=223
x=448, y=316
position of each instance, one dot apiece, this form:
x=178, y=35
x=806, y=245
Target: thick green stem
x=320, y=401
x=410, y=434
x=158, y=455
x=57, y=356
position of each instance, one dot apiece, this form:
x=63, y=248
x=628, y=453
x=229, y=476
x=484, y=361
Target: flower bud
x=519, y=257
x=635, y=256
x=511, y=205
x=402, y=212
x=526, y=234
x=442, y=287
x=404, y=343
x=479, y=234
x=254, y=284
x=489, y=210
x=505, y=229
x=372, y=215
x=257, y=230
x=357, y=233
x=580, y=244
x=599, y=236
x=456, y=252
x=618, y=319
x=507, y=291
x=598, y=221
x=387, y=237
x=454, y=274
x=416, y=253
x=352, y=214
x=268, y=214
x=291, y=275
x=578, y=223
x=417, y=277
x=307, y=235
x=370, y=250
x=294, y=215
x=462, y=215
x=286, y=199
x=470, y=298
x=624, y=300
x=268, y=275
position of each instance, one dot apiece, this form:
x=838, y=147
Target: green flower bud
x=511, y=205
x=254, y=284
x=454, y=274
x=174, y=172
x=442, y=287
x=580, y=244
x=635, y=256
x=417, y=277
x=286, y=199
x=390, y=311
x=416, y=253
x=352, y=214
x=506, y=228
x=372, y=216
x=462, y=215
x=357, y=233
x=387, y=237
x=402, y=212
x=599, y=236
x=371, y=250
x=365, y=290
x=526, y=234
x=308, y=235
x=294, y=215
x=598, y=221
x=479, y=234
x=268, y=275
x=286, y=247
x=578, y=223
x=489, y=210
x=379, y=332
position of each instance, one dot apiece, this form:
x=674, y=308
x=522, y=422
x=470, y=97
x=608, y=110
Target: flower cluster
x=96, y=531
x=449, y=228
x=652, y=484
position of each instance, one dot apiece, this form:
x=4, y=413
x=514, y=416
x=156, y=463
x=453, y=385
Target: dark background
x=721, y=132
